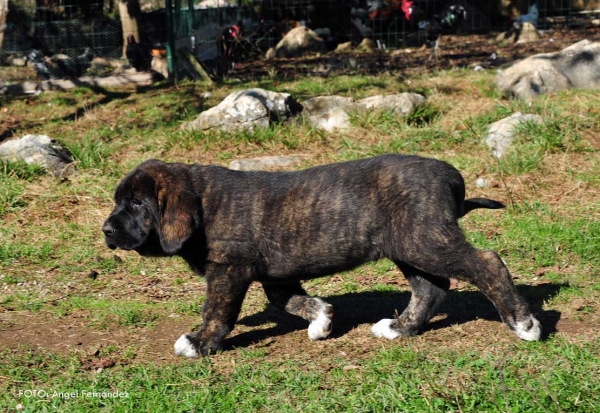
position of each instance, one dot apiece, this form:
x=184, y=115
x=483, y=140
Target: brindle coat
x=279, y=228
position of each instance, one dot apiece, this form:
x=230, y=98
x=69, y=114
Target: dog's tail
x=474, y=203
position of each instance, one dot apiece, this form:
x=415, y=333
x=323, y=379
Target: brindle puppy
x=279, y=228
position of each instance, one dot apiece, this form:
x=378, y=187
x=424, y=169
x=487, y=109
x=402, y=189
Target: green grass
x=535, y=233
x=50, y=244
x=13, y=177
x=548, y=377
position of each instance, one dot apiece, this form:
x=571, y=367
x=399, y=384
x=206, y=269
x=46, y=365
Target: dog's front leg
x=226, y=288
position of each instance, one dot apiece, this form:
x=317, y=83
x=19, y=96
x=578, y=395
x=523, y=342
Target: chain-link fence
x=70, y=26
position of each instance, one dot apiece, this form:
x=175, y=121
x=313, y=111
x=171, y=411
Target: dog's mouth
x=149, y=246
x=113, y=246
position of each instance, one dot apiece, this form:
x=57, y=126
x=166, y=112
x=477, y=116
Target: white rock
x=265, y=162
x=500, y=133
x=37, y=149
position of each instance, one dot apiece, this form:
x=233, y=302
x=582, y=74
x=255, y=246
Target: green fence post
x=170, y=45
x=191, y=18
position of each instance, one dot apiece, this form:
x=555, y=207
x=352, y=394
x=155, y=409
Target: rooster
x=230, y=38
x=384, y=10
x=450, y=21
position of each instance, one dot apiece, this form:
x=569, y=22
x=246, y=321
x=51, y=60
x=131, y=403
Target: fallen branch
x=193, y=67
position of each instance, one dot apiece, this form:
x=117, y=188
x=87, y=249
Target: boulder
x=328, y=113
x=528, y=34
x=519, y=33
x=265, y=162
x=296, y=42
x=344, y=47
x=576, y=66
x=401, y=104
x=367, y=45
x=331, y=113
x=500, y=133
x=250, y=108
x=245, y=110
x=41, y=150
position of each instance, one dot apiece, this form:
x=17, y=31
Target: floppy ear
x=178, y=210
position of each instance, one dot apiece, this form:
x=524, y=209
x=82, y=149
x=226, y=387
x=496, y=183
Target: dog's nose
x=108, y=230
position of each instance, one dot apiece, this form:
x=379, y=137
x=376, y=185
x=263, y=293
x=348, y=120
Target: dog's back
x=328, y=218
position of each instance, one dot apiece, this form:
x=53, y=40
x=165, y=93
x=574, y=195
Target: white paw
x=184, y=347
x=532, y=333
x=320, y=327
x=384, y=329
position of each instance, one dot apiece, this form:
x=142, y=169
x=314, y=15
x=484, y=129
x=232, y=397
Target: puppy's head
x=156, y=210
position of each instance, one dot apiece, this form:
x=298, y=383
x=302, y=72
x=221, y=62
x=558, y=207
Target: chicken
x=532, y=16
x=379, y=9
x=60, y=66
x=386, y=9
x=230, y=38
x=449, y=21
x=45, y=69
x=74, y=67
x=138, y=55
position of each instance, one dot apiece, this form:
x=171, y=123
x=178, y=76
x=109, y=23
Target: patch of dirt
x=466, y=320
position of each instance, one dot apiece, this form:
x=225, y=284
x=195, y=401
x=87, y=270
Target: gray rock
x=401, y=104
x=344, y=47
x=37, y=149
x=251, y=108
x=334, y=119
x=265, y=162
x=246, y=110
x=576, y=66
x=500, y=133
x=482, y=183
x=328, y=113
x=528, y=33
x=296, y=42
x=332, y=112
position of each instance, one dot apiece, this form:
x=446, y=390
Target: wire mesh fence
x=71, y=26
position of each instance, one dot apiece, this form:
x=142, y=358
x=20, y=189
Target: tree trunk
x=129, y=10
x=3, y=14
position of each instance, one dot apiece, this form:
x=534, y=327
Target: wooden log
x=143, y=78
x=193, y=67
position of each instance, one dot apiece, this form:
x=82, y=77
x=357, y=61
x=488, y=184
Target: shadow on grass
x=354, y=309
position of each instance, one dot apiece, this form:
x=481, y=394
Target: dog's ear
x=178, y=210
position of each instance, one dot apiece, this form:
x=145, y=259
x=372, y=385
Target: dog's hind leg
x=292, y=298
x=428, y=292
x=486, y=271
x=446, y=253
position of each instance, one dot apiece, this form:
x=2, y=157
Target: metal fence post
x=170, y=44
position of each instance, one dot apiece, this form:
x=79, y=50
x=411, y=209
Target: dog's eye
x=136, y=202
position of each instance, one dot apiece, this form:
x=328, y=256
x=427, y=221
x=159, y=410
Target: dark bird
x=44, y=68
x=138, y=55
x=383, y=10
x=74, y=67
x=449, y=21
x=386, y=9
x=230, y=38
x=60, y=66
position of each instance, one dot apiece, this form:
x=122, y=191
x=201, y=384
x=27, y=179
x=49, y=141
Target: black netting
x=70, y=26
